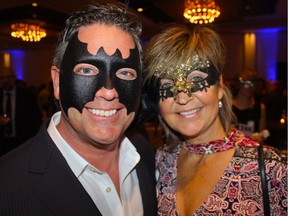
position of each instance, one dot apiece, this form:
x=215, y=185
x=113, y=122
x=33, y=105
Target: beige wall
x=37, y=66
x=235, y=54
x=254, y=51
x=34, y=64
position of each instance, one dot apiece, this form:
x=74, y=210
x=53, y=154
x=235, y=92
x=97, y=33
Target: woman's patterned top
x=238, y=192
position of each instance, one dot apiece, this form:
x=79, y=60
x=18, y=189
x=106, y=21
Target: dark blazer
x=36, y=180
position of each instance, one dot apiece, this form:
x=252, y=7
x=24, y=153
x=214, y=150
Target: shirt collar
x=129, y=156
x=74, y=160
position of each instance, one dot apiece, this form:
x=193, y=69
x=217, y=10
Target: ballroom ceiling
x=236, y=15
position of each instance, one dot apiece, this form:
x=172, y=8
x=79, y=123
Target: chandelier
x=201, y=11
x=27, y=32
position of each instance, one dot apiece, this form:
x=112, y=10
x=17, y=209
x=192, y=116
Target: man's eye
x=126, y=74
x=86, y=70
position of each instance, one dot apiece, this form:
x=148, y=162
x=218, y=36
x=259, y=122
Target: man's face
x=100, y=82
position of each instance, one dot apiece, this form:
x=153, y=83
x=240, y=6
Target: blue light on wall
x=270, y=30
x=17, y=58
x=268, y=40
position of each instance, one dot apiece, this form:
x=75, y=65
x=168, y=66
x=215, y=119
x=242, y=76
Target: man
x=83, y=162
x=20, y=116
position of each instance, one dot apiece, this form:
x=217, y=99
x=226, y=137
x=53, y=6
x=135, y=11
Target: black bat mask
x=76, y=90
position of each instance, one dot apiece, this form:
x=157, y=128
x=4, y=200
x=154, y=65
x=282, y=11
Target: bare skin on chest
x=197, y=176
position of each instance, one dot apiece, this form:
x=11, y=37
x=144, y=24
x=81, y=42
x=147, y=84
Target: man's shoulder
x=14, y=166
x=20, y=153
x=142, y=145
x=138, y=140
x=24, y=154
x=134, y=135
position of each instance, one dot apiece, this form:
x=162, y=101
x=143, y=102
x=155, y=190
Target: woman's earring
x=220, y=104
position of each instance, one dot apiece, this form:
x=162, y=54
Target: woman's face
x=247, y=88
x=195, y=117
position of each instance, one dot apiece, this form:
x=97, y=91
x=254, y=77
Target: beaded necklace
x=213, y=146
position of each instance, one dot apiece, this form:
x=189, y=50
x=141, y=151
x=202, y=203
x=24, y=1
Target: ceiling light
x=140, y=9
x=201, y=11
x=27, y=32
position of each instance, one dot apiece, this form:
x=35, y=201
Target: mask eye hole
x=166, y=83
x=196, y=76
x=86, y=69
x=126, y=74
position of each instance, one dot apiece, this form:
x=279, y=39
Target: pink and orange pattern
x=239, y=191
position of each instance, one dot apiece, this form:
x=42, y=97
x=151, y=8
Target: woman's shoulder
x=273, y=153
x=248, y=148
x=164, y=152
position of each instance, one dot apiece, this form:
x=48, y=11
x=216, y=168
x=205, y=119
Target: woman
x=206, y=166
x=249, y=110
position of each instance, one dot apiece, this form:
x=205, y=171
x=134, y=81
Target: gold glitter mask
x=180, y=83
x=179, y=75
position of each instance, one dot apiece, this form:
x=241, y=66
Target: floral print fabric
x=238, y=192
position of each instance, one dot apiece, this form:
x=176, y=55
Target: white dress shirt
x=98, y=184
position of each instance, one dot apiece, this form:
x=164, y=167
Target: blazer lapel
x=147, y=190
x=58, y=187
x=146, y=173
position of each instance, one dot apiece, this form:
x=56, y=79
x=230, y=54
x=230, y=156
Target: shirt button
x=108, y=189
